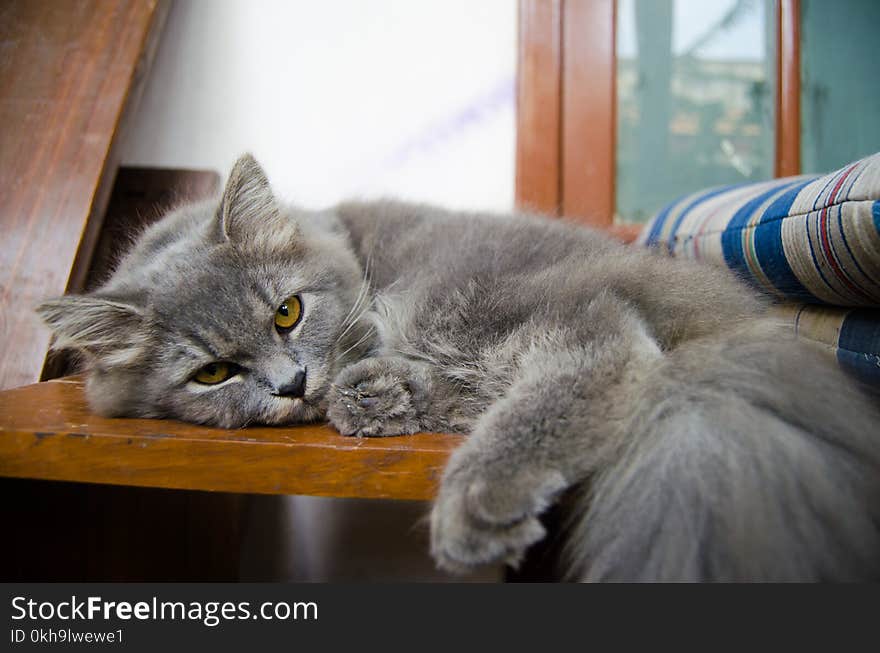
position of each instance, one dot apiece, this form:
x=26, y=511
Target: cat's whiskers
x=361, y=291
x=363, y=338
x=366, y=309
x=349, y=318
x=355, y=313
x=361, y=311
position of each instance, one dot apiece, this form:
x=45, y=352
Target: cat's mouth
x=292, y=410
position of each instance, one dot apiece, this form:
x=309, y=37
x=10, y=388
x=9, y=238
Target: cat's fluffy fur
x=699, y=440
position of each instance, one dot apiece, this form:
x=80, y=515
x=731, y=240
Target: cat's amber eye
x=214, y=373
x=288, y=314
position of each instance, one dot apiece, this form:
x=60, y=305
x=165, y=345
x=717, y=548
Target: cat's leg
x=386, y=395
x=557, y=424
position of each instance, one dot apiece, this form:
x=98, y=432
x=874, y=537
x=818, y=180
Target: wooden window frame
x=566, y=107
x=538, y=106
x=788, y=88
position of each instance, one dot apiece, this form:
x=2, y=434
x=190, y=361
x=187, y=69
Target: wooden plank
x=625, y=232
x=47, y=432
x=538, y=106
x=788, y=84
x=588, y=111
x=69, y=74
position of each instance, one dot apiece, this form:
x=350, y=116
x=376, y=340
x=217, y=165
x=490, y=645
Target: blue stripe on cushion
x=769, y=249
x=859, y=344
x=656, y=226
x=699, y=200
x=782, y=204
x=658, y=222
x=865, y=367
x=836, y=265
x=771, y=256
x=767, y=238
x=860, y=331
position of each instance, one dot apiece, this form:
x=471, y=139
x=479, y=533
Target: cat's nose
x=296, y=387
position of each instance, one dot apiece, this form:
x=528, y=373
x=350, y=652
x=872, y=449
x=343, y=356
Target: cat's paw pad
x=372, y=398
x=478, y=519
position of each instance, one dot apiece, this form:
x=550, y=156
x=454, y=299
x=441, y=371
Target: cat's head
x=229, y=312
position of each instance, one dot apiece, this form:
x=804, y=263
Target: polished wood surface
x=539, y=101
x=70, y=75
x=588, y=111
x=48, y=432
x=788, y=96
x=566, y=110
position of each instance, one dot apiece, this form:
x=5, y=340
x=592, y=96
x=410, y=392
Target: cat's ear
x=249, y=214
x=113, y=331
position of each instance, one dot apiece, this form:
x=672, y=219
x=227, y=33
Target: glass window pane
x=840, y=96
x=695, y=98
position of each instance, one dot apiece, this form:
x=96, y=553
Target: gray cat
x=698, y=439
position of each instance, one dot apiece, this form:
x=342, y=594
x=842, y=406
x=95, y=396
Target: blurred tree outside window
x=840, y=96
x=695, y=99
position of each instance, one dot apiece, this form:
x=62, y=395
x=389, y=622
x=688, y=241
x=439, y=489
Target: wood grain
x=788, y=83
x=47, y=432
x=70, y=72
x=588, y=111
x=538, y=106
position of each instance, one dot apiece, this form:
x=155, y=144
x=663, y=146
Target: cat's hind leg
x=749, y=457
x=557, y=424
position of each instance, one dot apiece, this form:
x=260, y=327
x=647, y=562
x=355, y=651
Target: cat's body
x=699, y=439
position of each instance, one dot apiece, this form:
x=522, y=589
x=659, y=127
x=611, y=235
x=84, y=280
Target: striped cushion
x=852, y=335
x=809, y=238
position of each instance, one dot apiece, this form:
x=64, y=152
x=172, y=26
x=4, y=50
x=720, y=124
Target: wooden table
x=114, y=517
x=47, y=432
x=156, y=500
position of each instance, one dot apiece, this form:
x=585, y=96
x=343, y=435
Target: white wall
x=339, y=98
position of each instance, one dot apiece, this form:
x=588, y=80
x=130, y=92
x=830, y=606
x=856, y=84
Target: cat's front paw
x=375, y=397
x=481, y=517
